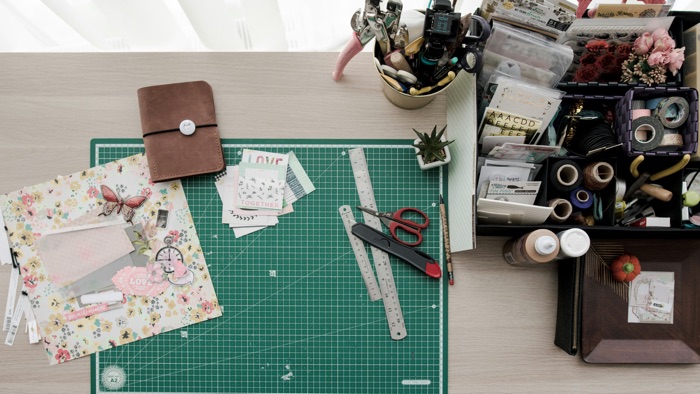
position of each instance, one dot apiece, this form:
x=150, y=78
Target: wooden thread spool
x=596, y=176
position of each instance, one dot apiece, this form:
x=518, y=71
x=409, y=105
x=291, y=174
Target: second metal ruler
x=392, y=306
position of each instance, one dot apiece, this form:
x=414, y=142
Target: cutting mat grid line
x=297, y=317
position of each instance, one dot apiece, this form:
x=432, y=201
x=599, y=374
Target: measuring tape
x=360, y=254
x=392, y=307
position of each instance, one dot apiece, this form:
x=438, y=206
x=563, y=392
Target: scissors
x=468, y=53
x=395, y=221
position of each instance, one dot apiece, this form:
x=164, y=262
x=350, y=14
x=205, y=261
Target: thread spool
x=573, y=243
x=596, y=176
x=561, y=210
x=581, y=198
x=534, y=248
x=565, y=175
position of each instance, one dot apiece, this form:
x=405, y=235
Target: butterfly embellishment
x=124, y=206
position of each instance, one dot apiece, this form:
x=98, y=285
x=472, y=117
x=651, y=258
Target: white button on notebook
x=187, y=127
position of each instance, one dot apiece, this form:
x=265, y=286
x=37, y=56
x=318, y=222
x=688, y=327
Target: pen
x=446, y=234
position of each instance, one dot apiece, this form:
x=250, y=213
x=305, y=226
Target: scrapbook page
x=108, y=257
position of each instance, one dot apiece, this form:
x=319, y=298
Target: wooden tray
x=606, y=337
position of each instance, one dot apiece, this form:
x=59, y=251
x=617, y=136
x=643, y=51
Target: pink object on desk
x=352, y=48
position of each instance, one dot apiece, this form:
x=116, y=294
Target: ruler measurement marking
x=392, y=306
x=360, y=254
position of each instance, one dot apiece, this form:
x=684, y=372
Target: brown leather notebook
x=179, y=130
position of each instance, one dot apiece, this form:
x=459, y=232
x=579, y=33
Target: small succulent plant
x=430, y=146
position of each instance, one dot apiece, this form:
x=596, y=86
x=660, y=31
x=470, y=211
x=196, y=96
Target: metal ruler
x=360, y=254
x=392, y=307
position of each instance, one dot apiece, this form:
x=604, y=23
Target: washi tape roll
x=651, y=104
x=561, y=210
x=672, y=111
x=672, y=141
x=638, y=104
x=647, y=133
x=638, y=113
x=565, y=175
x=581, y=198
x=596, y=176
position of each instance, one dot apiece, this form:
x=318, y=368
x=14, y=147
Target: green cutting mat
x=297, y=316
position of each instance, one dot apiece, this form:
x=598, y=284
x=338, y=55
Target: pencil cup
x=398, y=98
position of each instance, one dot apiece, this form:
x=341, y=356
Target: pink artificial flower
x=665, y=44
x=676, y=59
x=659, y=59
x=659, y=34
x=643, y=44
x=146, y=192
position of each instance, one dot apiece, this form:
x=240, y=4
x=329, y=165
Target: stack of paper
x=260, y=189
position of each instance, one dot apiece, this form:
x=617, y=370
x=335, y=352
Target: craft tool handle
x=378, y=239
x=657, y=192
x=352, y=48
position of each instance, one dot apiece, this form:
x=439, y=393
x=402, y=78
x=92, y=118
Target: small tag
x=660, y=306
x=5, y=251
x=137, y=281
x=31, y=327
x=11, y=297
x=14, y=324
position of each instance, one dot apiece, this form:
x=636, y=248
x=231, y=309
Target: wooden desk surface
x=501, y=319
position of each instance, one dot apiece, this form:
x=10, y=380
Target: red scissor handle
x=395, y=226
x=409, y=226
x=397, y=216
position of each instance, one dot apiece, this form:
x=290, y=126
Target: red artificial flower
x=606, y=60
x=589, y=58
x=623, y=50
x=597, y=46
x=587, y=73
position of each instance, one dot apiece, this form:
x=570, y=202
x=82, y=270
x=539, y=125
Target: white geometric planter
x=434, y=164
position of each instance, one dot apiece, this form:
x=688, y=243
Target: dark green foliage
x=430, y=145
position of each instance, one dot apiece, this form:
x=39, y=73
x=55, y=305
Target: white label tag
x=16, y=318
x=31, y=327
x=11, y=296
x=5, y=252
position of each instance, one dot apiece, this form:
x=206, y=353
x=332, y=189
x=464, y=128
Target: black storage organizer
x=621, y=164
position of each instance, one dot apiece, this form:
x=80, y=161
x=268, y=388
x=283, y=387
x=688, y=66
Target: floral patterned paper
x=47, y=207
